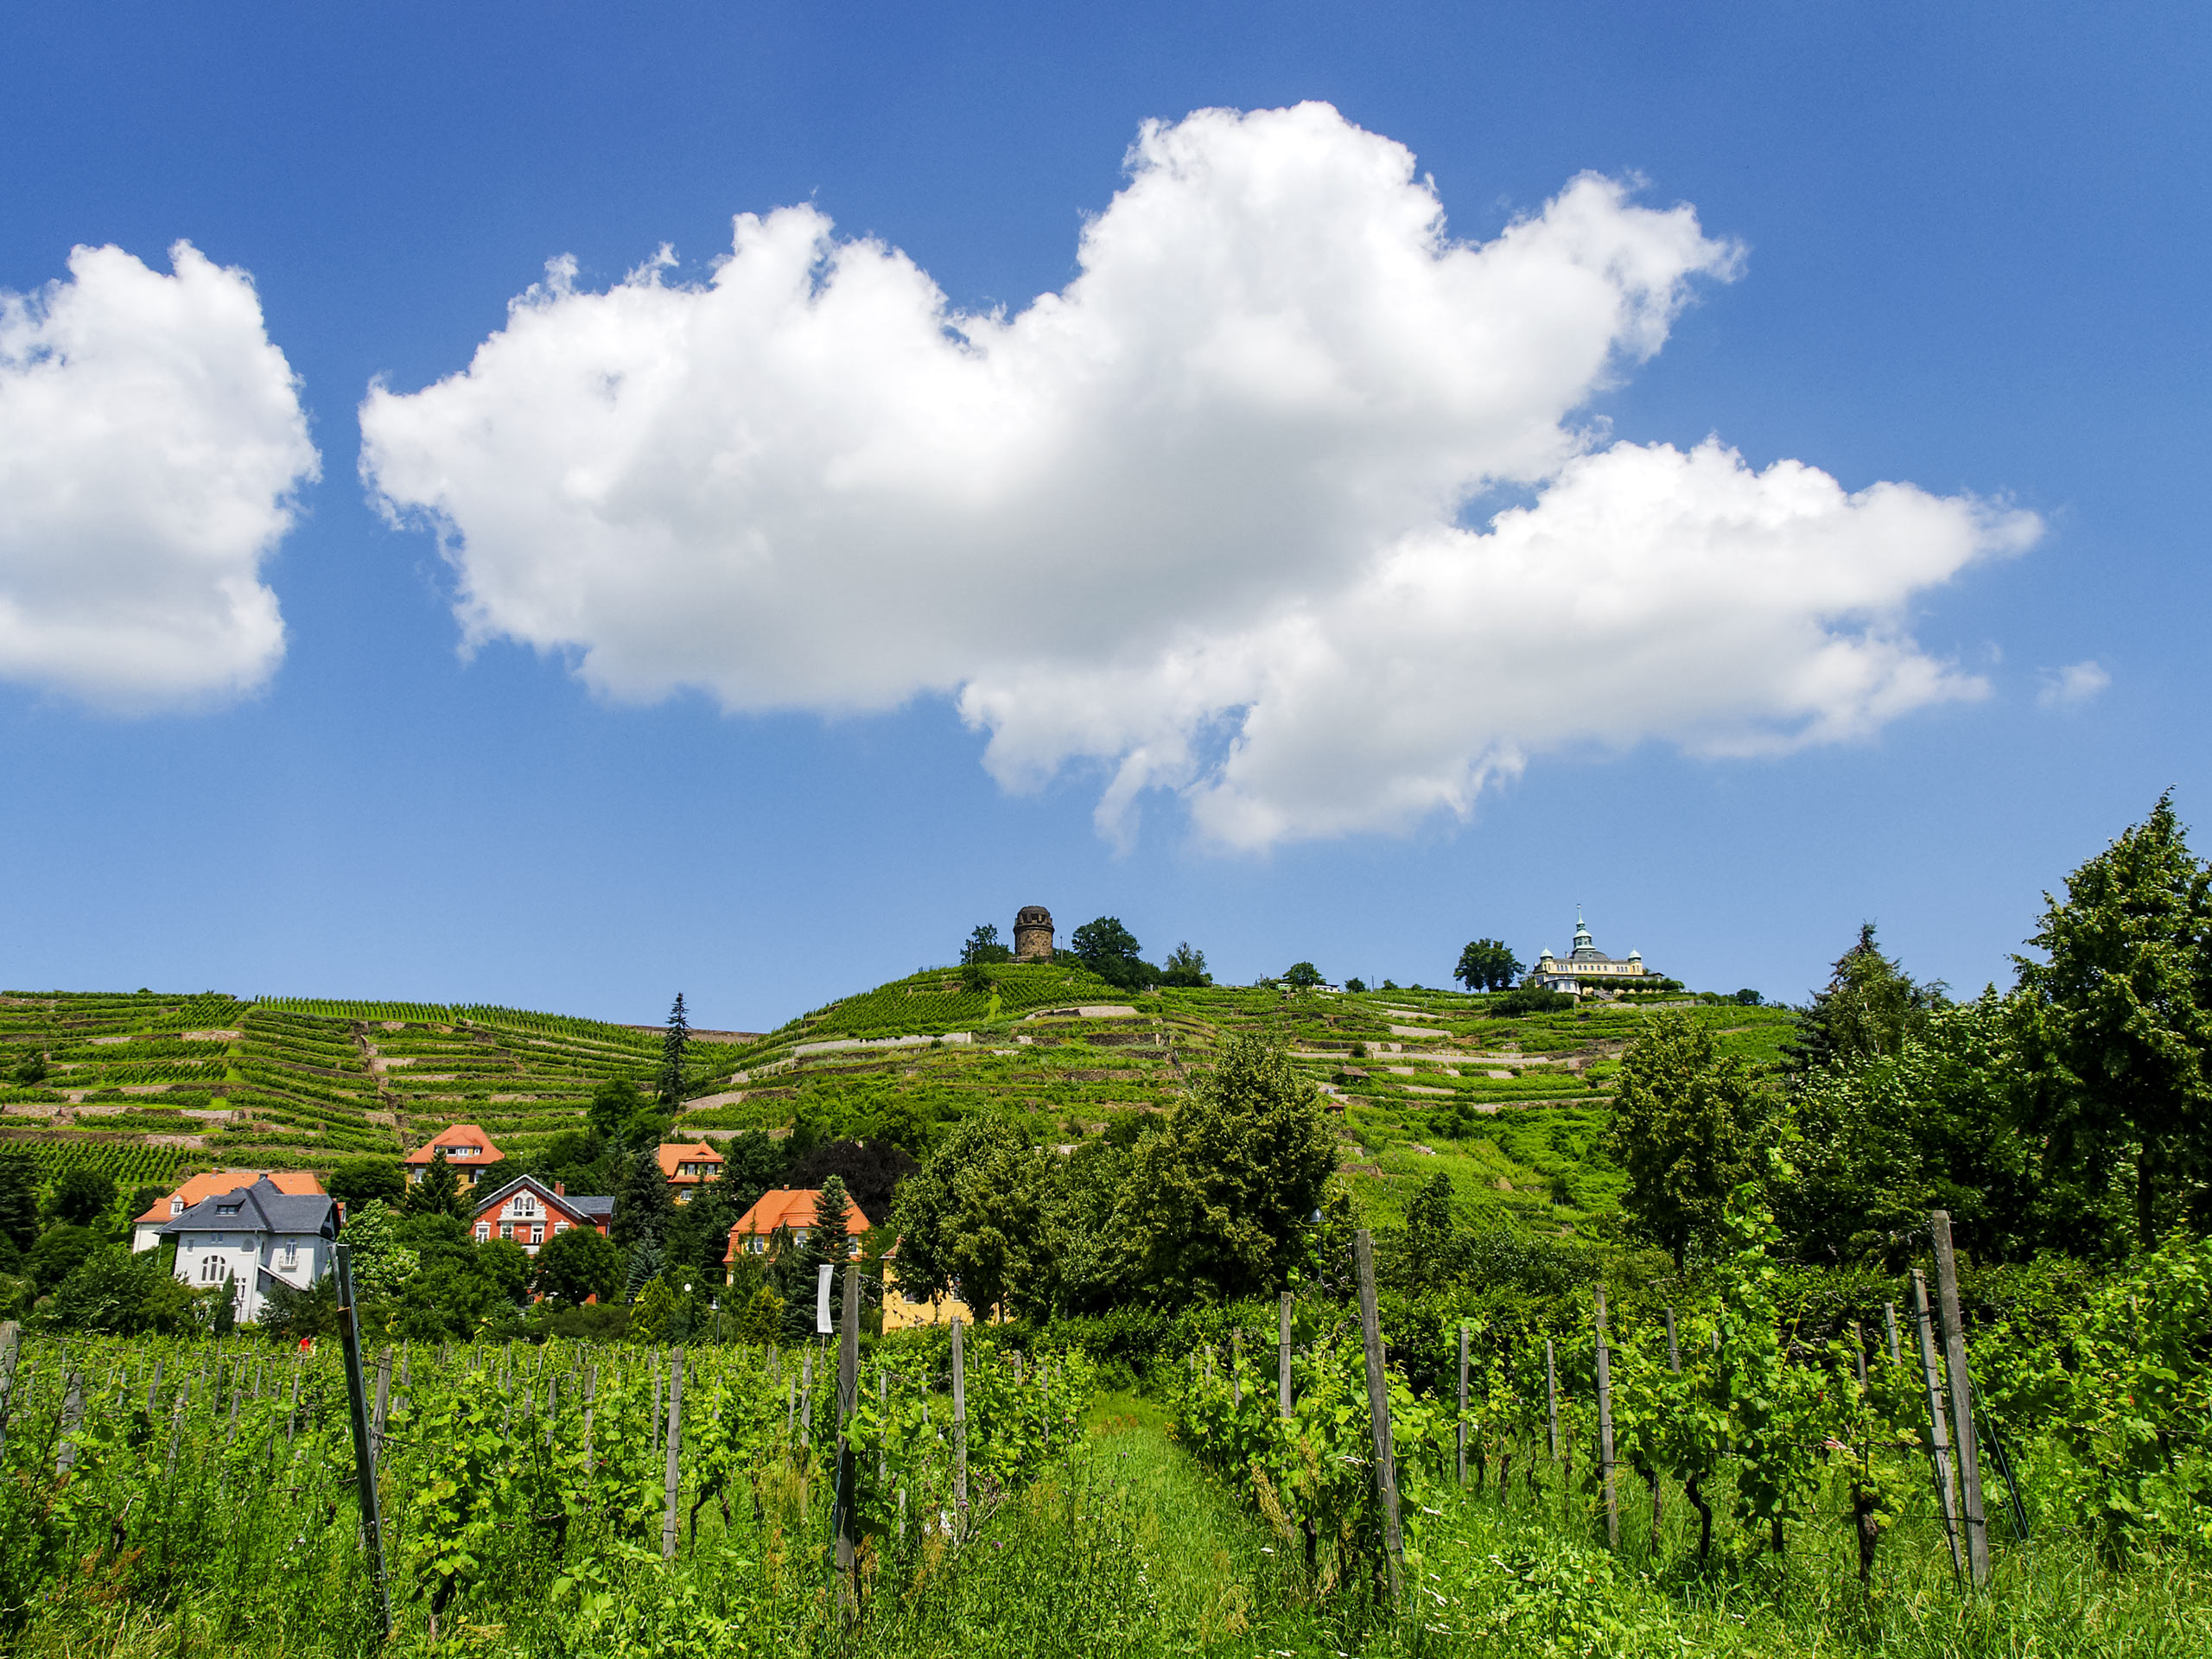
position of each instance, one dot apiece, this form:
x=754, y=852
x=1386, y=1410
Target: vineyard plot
x=516, y=1481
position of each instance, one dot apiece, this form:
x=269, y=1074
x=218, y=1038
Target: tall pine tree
x=673, y=1044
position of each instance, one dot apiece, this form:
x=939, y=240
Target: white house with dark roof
x=257, y=1235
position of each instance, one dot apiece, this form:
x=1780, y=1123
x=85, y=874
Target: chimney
x=560, y=1189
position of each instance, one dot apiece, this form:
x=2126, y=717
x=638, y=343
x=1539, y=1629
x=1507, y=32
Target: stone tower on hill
x=1033, y=934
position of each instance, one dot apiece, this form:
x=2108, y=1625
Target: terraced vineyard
x=1510, y=1108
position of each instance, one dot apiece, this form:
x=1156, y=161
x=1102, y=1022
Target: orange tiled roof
x=675, y=1152
x=297, y=1182
x=792, y=1206
x=460, y=1134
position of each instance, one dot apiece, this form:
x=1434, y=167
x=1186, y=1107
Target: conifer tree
x=644, y=1205
x=673, y=1044
x=439, y=1193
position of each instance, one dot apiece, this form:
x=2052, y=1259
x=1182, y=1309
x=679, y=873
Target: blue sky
x=1967, y=255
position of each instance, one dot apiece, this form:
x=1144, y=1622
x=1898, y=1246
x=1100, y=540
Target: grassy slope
x=1511, y=1109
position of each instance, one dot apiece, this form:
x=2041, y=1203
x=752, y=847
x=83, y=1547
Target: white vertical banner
x=821, y=1326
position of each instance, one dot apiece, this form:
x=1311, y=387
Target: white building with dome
x=1588, y=968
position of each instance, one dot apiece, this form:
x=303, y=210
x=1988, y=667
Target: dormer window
x=226, y=1209
x=176, y=1206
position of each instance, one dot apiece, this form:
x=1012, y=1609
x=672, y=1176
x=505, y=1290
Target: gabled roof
x=260, y=1208
x=207, y=1182
x=674, y=1153
x=792, y=1206
x=460, y=1134
x=576, y=1207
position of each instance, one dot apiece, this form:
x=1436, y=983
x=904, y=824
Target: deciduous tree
x=1217, y=1199
x=983, y=947
x=980, y=1220
x=573, y=1266
x=359, y=1181
x=1689, y=1126
x=2117, y=1022
x=1487, y=965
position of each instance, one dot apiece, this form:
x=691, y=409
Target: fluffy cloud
x=150, y=437
x=2072, y=686
x=1197, y=516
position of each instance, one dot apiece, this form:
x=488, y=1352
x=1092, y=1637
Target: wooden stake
x=1378, y=1408
x=959, y=1435
x=847, y=1515
x=672, y=1472
x=1939, y=1441
x=11, y=1342
x=1551, y=1397
x=1606, y=1427
x=365, y=1466
x=1459, y=1432
x=1282, y=1358
x=1954, y=1352
x=1889, y=1320
x=1674, y=1348
x=73, y=1412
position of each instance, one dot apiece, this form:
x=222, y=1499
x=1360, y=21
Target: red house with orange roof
x=146, y=1229
x=467, y=1148
x=791, y=1207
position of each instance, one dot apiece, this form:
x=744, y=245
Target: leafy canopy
x=2117, y=1017
x=1487, y=965
x=1690, y=1126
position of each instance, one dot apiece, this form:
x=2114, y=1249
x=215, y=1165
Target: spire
x=1581, y=931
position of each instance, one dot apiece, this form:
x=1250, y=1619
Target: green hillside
x=1512, y=1109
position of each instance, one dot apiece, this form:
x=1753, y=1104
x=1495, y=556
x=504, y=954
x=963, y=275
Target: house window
x=525, y=1205
x=506, y=1230
x=483, y=1231
x=291, y=1257
x=537, y=1235
x=226, y=1209
x=176, y=1206
x=559, y=1227
x=211, y=1269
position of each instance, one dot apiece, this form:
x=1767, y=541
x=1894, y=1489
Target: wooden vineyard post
x=1939, y=1442
x=1378, y=1408
x=1859, y=1354
x=1954, y=1355
x=1282, y=1358
x=1674, y=1348
x=1459, y=1432
x=1237, y=1368
x=176, y=1425
x=12, y=1343
x=847, y=1522
x=382, y=1409
x=1889, y=1320
x=672, y=1471
x=1551, y=1397
x=1605, y=1429
x=806, y=1400
x=591, y=1389
x=959, y=1435
x=365, y=1466
x=73, y=1412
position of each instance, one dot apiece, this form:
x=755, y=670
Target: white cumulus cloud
x=2072, y=686
x=150, y=440
x=1197, y=517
